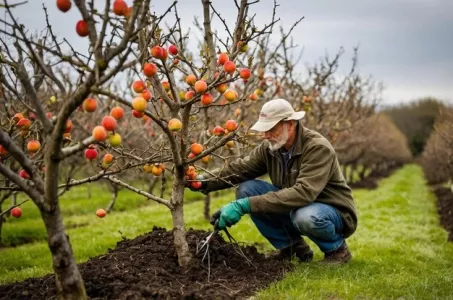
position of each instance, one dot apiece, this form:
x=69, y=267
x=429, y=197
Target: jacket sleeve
x=240, y=170
x=315, y=171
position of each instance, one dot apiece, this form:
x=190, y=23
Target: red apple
x=64, y=5
x=119, y=7
x=17, y=117
x=3, y=151
x=157, y=52
x=223, y=58
x=91, y=153
x=16, y=212
x=173, y=50
x=146, y=94
x=149, y=69
x=245, y=73
x=24, y=174
x=218, y=130
x=138, y=86
x=207, y=99
x=24, y=123
x=137, y=114
x=82, y=28
x=109, y=123
x=101, y=213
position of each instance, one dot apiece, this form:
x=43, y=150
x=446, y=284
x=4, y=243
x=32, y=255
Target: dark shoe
x=340, y=256
x=300, y=249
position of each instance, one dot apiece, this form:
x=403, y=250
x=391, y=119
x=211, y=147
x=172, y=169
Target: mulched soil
x=445, y=209
x=147, y=268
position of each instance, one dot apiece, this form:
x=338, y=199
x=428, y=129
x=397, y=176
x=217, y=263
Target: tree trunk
x=179, y=230
x=207, y=207
x=68, y=279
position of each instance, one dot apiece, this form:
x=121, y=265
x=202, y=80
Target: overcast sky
x=406, y=44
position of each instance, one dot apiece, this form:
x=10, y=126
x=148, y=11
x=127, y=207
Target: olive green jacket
x=313, y=175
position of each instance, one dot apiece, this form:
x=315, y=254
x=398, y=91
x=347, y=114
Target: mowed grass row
x=399, y=249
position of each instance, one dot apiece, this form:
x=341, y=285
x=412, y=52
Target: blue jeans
x=320, y=222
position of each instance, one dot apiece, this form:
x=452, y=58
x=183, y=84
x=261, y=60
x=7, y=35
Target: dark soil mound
x=147, y=268
x=371, y=181
x=445, y=209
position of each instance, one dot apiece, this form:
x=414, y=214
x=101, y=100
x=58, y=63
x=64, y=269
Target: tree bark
x=207, y=207
x=179, y=230
x=68, y=279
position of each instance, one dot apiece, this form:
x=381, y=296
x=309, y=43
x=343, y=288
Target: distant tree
x=416, y=121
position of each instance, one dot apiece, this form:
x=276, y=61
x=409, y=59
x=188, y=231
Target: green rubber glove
x=231, y=213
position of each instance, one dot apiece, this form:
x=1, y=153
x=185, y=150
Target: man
x=308, y=195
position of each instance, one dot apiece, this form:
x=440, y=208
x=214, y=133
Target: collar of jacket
x=298, y=141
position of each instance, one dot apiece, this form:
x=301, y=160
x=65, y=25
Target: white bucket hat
x=273, y=112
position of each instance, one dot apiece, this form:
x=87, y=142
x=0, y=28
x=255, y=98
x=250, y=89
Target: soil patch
x=445, y=209
x=371, y=181
x=147, y=268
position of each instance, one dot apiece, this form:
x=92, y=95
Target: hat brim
x=267, y=125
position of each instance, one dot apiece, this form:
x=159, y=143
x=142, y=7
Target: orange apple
x=101, y=213
x=148, y=168
x=207, y=99
x=231, y=125
x=230, y=95
x=206, y=159
x=117, y=112
x=16, y=212
x=33, y=146
x=139, y=104
x=119, y=7
x=237, y=112
x=146, y=94
x=196, y=148
x=17, y=117
x=149, y=69
x=99, y=133
x=221, y=88
x=189, y=95
x=245, y=73
x=109, y=123
x=191, y=79
x=82, y=28
x=223, y=58
x=138, y=86
x=166, y=85
x=156, y=170
x=108, y=159
x=175, y=124
x=158, y=52
x=201, y=87
x=253, y=97
x=69, y=126
x=89, y=105
x=229, y=67
x=64, y=5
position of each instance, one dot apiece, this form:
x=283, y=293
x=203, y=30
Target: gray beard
x=282, y=141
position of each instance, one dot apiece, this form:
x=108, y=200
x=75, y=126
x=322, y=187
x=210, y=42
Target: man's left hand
x=231, y=213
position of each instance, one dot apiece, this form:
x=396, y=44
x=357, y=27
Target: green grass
x=399, y=249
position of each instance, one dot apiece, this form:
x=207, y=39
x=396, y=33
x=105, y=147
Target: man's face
x=277, y=135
